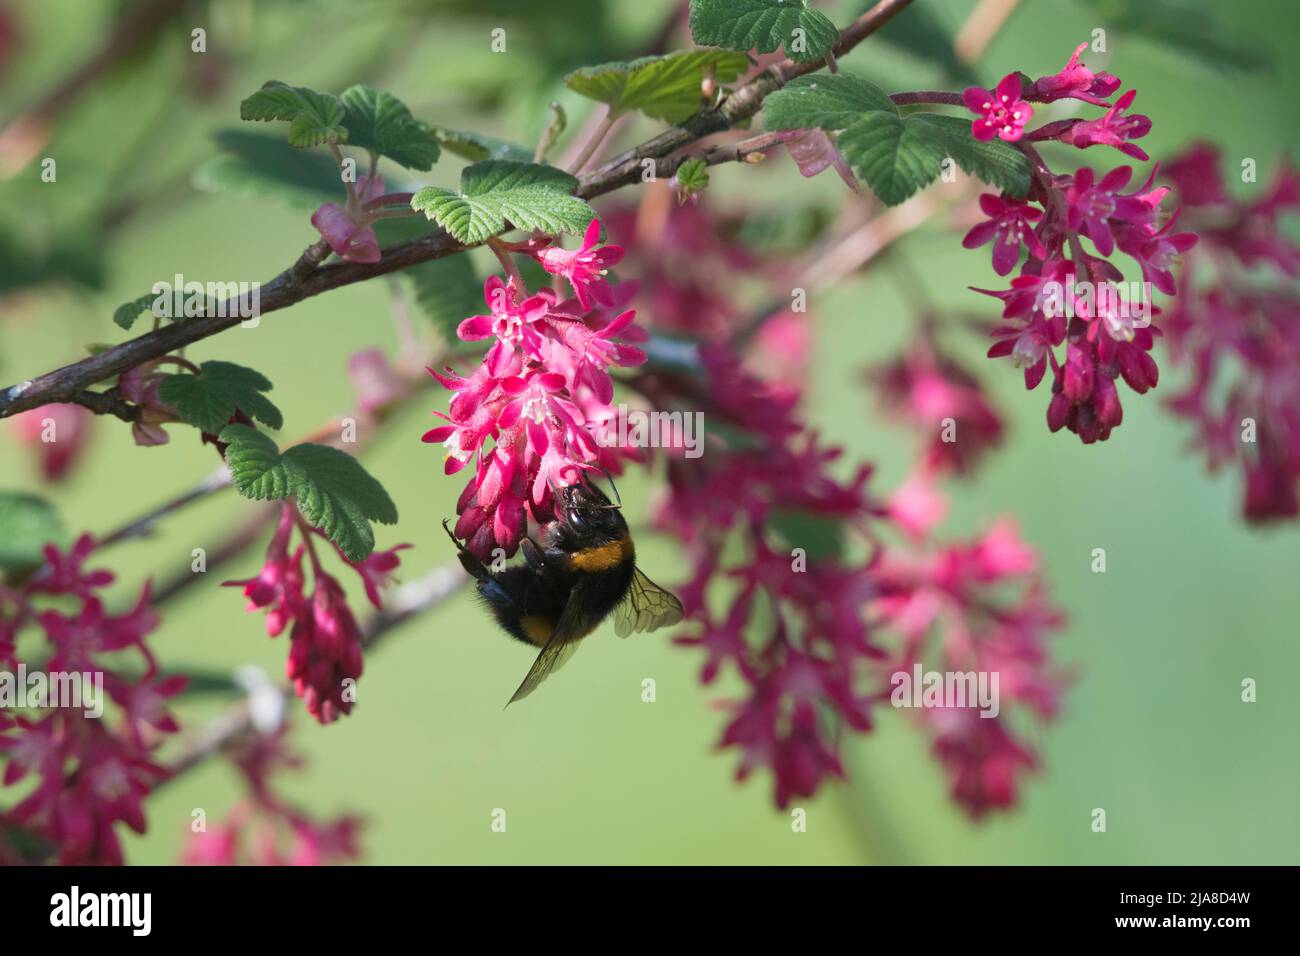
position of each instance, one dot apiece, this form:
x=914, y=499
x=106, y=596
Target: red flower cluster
x=263, y=829
x=773, y=490
x=942, y=401
x=541, y=394
x=975, y=608
x=1240, y=336
x=90, y=774
x=1075, y=301
x=325, y=642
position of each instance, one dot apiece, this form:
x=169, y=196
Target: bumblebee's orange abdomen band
x=537, y=628
x=604, y=557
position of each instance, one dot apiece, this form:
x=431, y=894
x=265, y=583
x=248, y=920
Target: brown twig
x=306, y=278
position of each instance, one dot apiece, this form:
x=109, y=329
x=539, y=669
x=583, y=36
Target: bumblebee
x=583, y=570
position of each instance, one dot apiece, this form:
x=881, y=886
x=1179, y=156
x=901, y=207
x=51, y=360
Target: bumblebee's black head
x=588, y=515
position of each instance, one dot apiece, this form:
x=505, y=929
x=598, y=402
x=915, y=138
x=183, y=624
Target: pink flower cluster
x=840, y=629
x=541, y=394
x=325, y=643
x=1076, y=301
x=977, y=607
x=765, y=516
x=265, y=830
x=942, y=401
x=1239, y=336
x=807, y=660
x=90, y=773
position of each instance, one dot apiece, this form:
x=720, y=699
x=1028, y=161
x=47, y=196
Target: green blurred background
x=1192, y=602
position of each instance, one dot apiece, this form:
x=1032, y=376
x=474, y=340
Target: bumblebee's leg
x=467, y=560
x=532, y=553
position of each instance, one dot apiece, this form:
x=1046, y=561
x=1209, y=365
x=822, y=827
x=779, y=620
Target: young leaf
x=257, y=166
x=995, y=162
x=126, y=314
x=691, y=179
x=207, y=401
x=313, y=117
x=477, y=147
x=331, y=489
x=662, y=87
x=895, y=156
x=27, y=524
x=763, y=25
x=831, y=102
x=492, y=193
x=381, y=123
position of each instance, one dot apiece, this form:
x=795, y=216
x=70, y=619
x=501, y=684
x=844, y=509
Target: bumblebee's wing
x=646, y=607
x=563, y=642
x=554, y=655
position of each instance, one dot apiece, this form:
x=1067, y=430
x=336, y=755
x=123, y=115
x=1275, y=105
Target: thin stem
x=395, y=213
x=502, y=252
x=180, y=362
x=594, y=142
x=142, y=526
x=388, y=199
x=347, y=183
x=927, y=97
x=307, y=532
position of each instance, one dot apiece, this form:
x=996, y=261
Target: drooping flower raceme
x=264, y=829
x=1064, y=294
x=82, y=773
x=1238, y=331
x=325, y=642
x=528, y=416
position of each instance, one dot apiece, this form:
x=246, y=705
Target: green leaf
x=447, y=290
x=257, y=166
x=331, y=489
x=126, y=314
x=763, y=25
x=662, y=87
x=831, y=102
x=995, y=162
x=27, y=524
x=895, y=156
x=207, y=401
x=313, y=117
x=691, y=179
x=381, y=123
x=492, y=193
x=477, y=147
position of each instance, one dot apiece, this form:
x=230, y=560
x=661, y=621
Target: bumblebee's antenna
x=614, y=488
